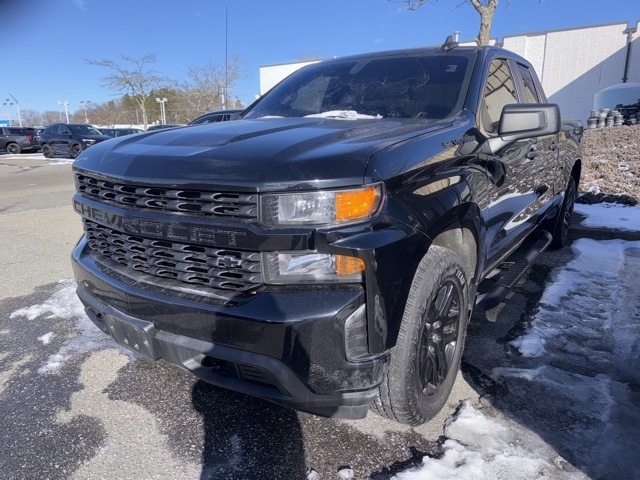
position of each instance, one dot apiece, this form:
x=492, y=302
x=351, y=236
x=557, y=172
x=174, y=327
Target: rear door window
x=528, y=86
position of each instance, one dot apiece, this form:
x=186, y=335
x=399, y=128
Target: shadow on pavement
x=247, y=438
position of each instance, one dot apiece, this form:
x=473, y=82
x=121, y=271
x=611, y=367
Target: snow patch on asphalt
x=64, y=304
x=46, y=338
x=610, y=215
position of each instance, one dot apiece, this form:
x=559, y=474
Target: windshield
x=84, y=130
x=427, y=86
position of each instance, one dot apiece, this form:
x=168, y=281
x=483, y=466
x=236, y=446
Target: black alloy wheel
x=439, y=338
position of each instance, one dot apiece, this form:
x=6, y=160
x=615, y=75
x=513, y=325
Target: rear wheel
x=13, y=148
x=425, y=361
x=76, y=150
x=47, y=151
x=563, y=220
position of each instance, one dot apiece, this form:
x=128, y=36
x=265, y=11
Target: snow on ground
x=64, y=304
x=35, y=156
x=611, y=215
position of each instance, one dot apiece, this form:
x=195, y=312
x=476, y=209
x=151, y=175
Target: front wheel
x=13, y=149
x=426, y=358
x=563, y=220
x=76, y=150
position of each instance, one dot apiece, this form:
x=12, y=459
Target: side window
x=65, y=131
x=499, y=91
x=530, y=95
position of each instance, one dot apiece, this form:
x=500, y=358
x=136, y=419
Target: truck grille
x=195, y=202
x=192, y=264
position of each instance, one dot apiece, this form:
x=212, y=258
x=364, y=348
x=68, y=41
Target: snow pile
x=343, y=115
x=479, y=446
x=64, y=304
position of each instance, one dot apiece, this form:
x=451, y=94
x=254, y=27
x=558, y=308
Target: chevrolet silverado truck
x=326, y=250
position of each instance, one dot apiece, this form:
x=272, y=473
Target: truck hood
x=256, y=155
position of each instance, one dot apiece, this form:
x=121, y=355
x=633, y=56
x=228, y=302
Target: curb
x=578, y=230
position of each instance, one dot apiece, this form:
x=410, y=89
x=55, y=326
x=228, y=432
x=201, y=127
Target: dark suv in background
x=15, y=140
x=69, y=139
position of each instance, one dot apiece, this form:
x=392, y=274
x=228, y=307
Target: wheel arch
x=458, y=230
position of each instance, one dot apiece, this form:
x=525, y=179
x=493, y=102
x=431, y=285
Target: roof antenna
x=451, y=42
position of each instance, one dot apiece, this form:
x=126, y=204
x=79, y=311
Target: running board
x=511, y=277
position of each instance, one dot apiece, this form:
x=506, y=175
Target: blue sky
x=43, y=42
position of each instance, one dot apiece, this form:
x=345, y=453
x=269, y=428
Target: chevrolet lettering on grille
x=182, y=232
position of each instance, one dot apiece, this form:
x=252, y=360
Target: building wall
x=575, y=64
x=270, y=75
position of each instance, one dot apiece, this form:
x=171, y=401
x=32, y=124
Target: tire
x=426, y=358
x=560, y=232
x=13, y=148
x=47, y=151
x=76, y=150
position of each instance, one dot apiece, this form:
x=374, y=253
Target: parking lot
x=77, y=406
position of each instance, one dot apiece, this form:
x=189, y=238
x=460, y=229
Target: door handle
x=553, y=146
x=533, y=152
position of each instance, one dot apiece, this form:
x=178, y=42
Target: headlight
x=311, y=267
x=325, y=207
x=89, y=141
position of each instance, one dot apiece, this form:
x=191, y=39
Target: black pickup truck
x=325, y=251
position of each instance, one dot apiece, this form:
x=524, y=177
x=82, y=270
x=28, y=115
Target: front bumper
x=285, y=345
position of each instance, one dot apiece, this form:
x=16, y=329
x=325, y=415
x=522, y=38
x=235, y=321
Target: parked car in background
x=18, y=139
x=162, y=126
x=217, y=116
x=120, y=132
x=69, y=139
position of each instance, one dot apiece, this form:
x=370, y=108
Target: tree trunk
x=486, y=17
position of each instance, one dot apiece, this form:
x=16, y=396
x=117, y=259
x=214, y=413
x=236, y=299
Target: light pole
x=162, y=111
x=8, y=103
x=17, y=107
x=66, y=112
x=84, y=104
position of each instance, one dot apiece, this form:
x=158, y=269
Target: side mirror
x=525, y=120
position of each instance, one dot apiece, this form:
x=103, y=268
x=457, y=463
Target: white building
x=272, y=74
x=576, y=63
x=572, y=64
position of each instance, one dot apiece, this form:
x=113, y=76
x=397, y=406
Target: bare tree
x=205, y=88
x=31, y=117
x=138, y=81
x=485, y=9
x=51, y=116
